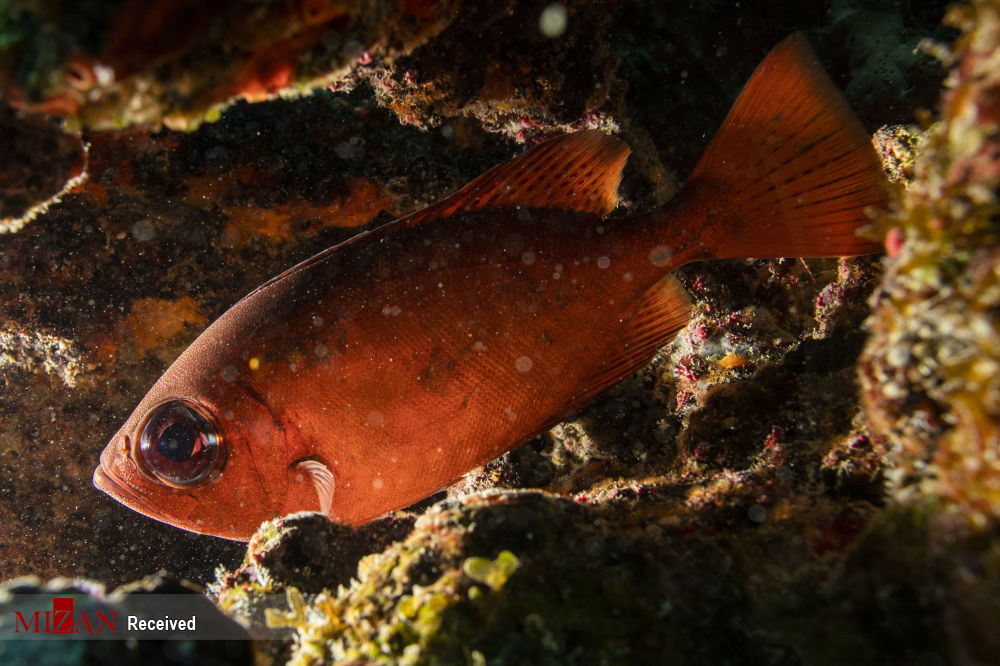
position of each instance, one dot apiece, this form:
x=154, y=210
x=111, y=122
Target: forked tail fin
x=790, y=172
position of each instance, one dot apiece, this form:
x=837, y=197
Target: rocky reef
x=931, y=366
x=117, y=64
x=808, y=474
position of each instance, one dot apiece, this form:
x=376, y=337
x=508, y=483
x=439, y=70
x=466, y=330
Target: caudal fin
x=791, y=171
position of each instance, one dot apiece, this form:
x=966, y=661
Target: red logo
x=62, y=620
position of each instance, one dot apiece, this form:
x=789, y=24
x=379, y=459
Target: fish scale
x=386, y=371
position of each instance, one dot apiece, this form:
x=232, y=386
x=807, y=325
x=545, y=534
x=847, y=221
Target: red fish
x=382, y=369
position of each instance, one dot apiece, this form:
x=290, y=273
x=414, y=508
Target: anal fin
x=665, y=309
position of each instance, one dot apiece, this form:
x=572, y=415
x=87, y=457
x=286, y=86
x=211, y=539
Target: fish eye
x=179, y=445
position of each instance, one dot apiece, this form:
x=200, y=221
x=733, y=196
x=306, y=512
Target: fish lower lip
x=107, y=484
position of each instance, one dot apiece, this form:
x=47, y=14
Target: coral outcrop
x=931, y=367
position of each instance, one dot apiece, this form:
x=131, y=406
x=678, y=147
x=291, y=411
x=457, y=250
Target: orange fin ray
x=576, y=172
x=792, y=170
x=665, y=309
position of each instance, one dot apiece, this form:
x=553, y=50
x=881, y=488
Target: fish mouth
x=111, y=486
x=108, y=483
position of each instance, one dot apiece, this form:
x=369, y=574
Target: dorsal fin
x=577, y=172
x=664, y=310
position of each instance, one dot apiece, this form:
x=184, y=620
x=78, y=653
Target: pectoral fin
x=322, y=479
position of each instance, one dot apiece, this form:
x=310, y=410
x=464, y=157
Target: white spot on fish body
x=661, y=255
x=523, y=364
x=603, y=262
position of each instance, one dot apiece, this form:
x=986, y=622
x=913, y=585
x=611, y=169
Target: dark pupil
x=176, y=443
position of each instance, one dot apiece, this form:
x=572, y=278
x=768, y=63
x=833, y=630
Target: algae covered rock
x=307, y=550
x=114, y=64
x=519, y=577
x=931, y=367
x=39, y=164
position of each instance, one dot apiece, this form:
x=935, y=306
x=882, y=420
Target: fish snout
x=109, y=481
x=105, y=480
